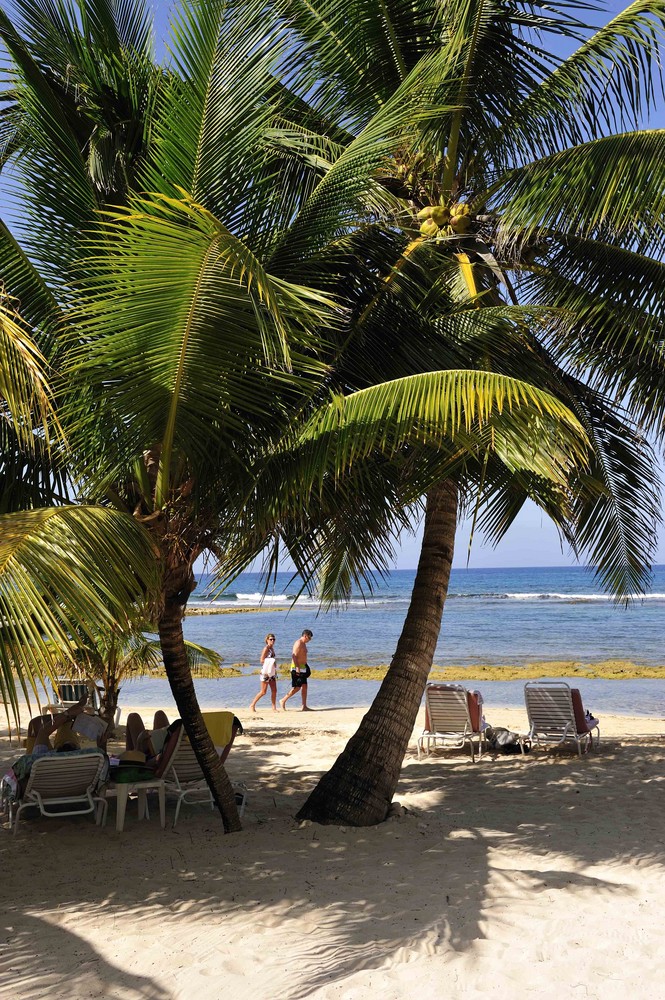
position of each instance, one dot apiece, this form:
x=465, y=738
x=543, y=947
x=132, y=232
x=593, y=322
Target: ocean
x=492, y=616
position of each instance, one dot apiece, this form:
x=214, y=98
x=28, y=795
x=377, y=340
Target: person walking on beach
x=268, y=673
x=300, y=671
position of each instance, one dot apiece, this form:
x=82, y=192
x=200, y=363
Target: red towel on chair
x=578, y=708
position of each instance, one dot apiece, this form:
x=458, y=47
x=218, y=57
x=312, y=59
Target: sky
x=532, y=540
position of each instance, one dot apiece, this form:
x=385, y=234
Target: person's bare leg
x=286, y=697
x=264, y=688
x=134, y=730
x=273, y=694
x=137, y=736
x=36, y=724
x=59, y=719
x=303, y=695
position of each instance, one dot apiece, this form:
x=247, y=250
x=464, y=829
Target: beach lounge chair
x=68, y=692
x=183, y=777
x=556, y=714
x=453, y=717
x=63, y=785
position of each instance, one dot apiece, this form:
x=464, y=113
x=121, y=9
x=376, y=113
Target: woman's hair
x=269, y=637
x=67, y=747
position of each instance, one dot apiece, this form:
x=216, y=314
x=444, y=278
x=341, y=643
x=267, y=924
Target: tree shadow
x=339, y=900
x=44, y=959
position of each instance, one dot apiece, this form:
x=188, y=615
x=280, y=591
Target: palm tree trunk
x=360, y=786
x=108, y=703
x=182, y=686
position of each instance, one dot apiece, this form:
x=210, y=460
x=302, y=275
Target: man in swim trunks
x=300, y=671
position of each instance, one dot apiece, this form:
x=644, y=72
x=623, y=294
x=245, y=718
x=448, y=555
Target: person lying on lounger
x=156, y=743
x=38, y=743
x=60, y=726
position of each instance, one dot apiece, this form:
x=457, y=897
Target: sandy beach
x=540, y=876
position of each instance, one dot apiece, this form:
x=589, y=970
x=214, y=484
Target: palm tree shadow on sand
x=421, y=885
x=45, y=958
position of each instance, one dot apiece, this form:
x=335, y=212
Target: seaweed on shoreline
x=619, y=670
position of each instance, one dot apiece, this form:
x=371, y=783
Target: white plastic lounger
x=453, y=717
x=183, y=777
x=556, y=715
x=63, y=784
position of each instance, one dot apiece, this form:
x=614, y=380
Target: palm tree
x=525, y=190
x=117, y=656
x=187, y=358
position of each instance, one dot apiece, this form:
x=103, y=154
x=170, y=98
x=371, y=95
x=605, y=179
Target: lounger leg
x=102, y=807
x=177, y=811
x=122, y=791
x=162, y=805
x=18, y=813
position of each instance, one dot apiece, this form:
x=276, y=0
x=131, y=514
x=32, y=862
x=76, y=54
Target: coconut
x=429, y=228
x=460, y=223
x=425, y=213
x=441, y=215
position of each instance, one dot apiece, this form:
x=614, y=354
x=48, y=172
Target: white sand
x=539, y=877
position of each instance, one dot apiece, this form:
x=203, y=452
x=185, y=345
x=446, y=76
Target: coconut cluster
x=433, y=218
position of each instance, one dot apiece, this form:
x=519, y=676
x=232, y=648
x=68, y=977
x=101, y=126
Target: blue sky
x=531, y=541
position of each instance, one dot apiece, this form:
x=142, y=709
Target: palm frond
x=53, y=168
x=24, y=392
x=616, y=526
x=191, y=335
x=35, y=300
x=215, y=111
x=528, y=428
x=611, y=188
x=336, y=206
x=611, y=318
x=612, y=508
x=608, y=84
x=64, y=571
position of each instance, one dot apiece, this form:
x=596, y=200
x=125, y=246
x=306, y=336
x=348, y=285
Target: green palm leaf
x=607, y=81
x=480, y=410
x=63, y=571
x=614, y=186
x=336, y=206
x=610, y=319
x=54, y=145
x=187, y=324
x=24, y=393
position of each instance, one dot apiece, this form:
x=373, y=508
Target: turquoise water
x=492, y=616
x=638, y=697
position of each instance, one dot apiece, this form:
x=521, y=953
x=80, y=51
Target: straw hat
x=132, y=757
